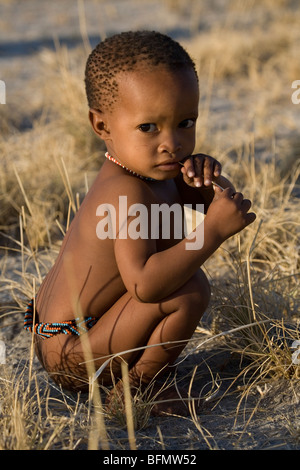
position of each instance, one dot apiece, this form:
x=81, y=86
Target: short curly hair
x=125, y=52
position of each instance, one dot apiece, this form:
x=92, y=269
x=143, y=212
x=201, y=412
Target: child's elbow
x=144, y=294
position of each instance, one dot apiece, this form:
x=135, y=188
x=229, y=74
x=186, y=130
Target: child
x=130, y=284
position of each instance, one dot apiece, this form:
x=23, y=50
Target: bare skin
x=144, y=291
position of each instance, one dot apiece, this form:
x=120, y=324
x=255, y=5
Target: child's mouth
x=169, y=165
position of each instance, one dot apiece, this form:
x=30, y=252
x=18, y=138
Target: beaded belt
x=76, y=327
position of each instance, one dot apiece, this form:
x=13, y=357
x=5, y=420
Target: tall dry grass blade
x=31, y=357
x=83, y=26
x=249, y=271
x=60, y=227
x=65, y=178
x=56, y=432
x=295, y=176
x=206, y=108
x=89, y=360
x=161, y=438
x=128, y=406
x=22, y=242
x=23, y=191
x=68, y=216
x=206, y=435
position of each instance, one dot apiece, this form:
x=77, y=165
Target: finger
x=189, y=167
x=246, y=204
x=250, y=217
x=198, y=166
x=217, y=168
x=208, y=171
x=238, y=197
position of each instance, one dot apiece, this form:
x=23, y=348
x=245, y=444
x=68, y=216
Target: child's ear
x=99, y=124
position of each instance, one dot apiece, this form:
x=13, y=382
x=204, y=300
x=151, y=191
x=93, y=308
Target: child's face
x=152, y=124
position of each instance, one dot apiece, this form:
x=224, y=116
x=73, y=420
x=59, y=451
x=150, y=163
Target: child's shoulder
x=107, y=189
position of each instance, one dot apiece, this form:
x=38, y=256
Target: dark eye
x=187, y=123
x=149, y=127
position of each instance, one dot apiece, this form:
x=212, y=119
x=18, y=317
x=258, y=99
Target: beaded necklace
x=112, y=159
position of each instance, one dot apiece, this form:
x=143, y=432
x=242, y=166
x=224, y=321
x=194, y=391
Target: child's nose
x=170, y=144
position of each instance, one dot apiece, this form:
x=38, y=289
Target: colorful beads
x=77, y=326
x=112, y=159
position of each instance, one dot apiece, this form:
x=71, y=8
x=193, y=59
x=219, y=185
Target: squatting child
x=119, y=279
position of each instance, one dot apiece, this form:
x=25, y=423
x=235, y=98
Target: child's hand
x=200, y=169
x=228, y=213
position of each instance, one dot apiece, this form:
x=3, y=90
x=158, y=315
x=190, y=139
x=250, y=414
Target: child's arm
x=151, y=275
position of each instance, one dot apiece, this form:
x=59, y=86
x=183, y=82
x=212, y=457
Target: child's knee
x=198, y=293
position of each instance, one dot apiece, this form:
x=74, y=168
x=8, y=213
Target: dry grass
x=254, y=314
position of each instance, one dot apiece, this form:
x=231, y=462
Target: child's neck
x=112, y=159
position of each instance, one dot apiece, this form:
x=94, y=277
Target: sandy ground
x=27, y=27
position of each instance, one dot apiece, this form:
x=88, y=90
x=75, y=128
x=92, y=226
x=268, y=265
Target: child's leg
x=188, y=307
x=130, y=324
